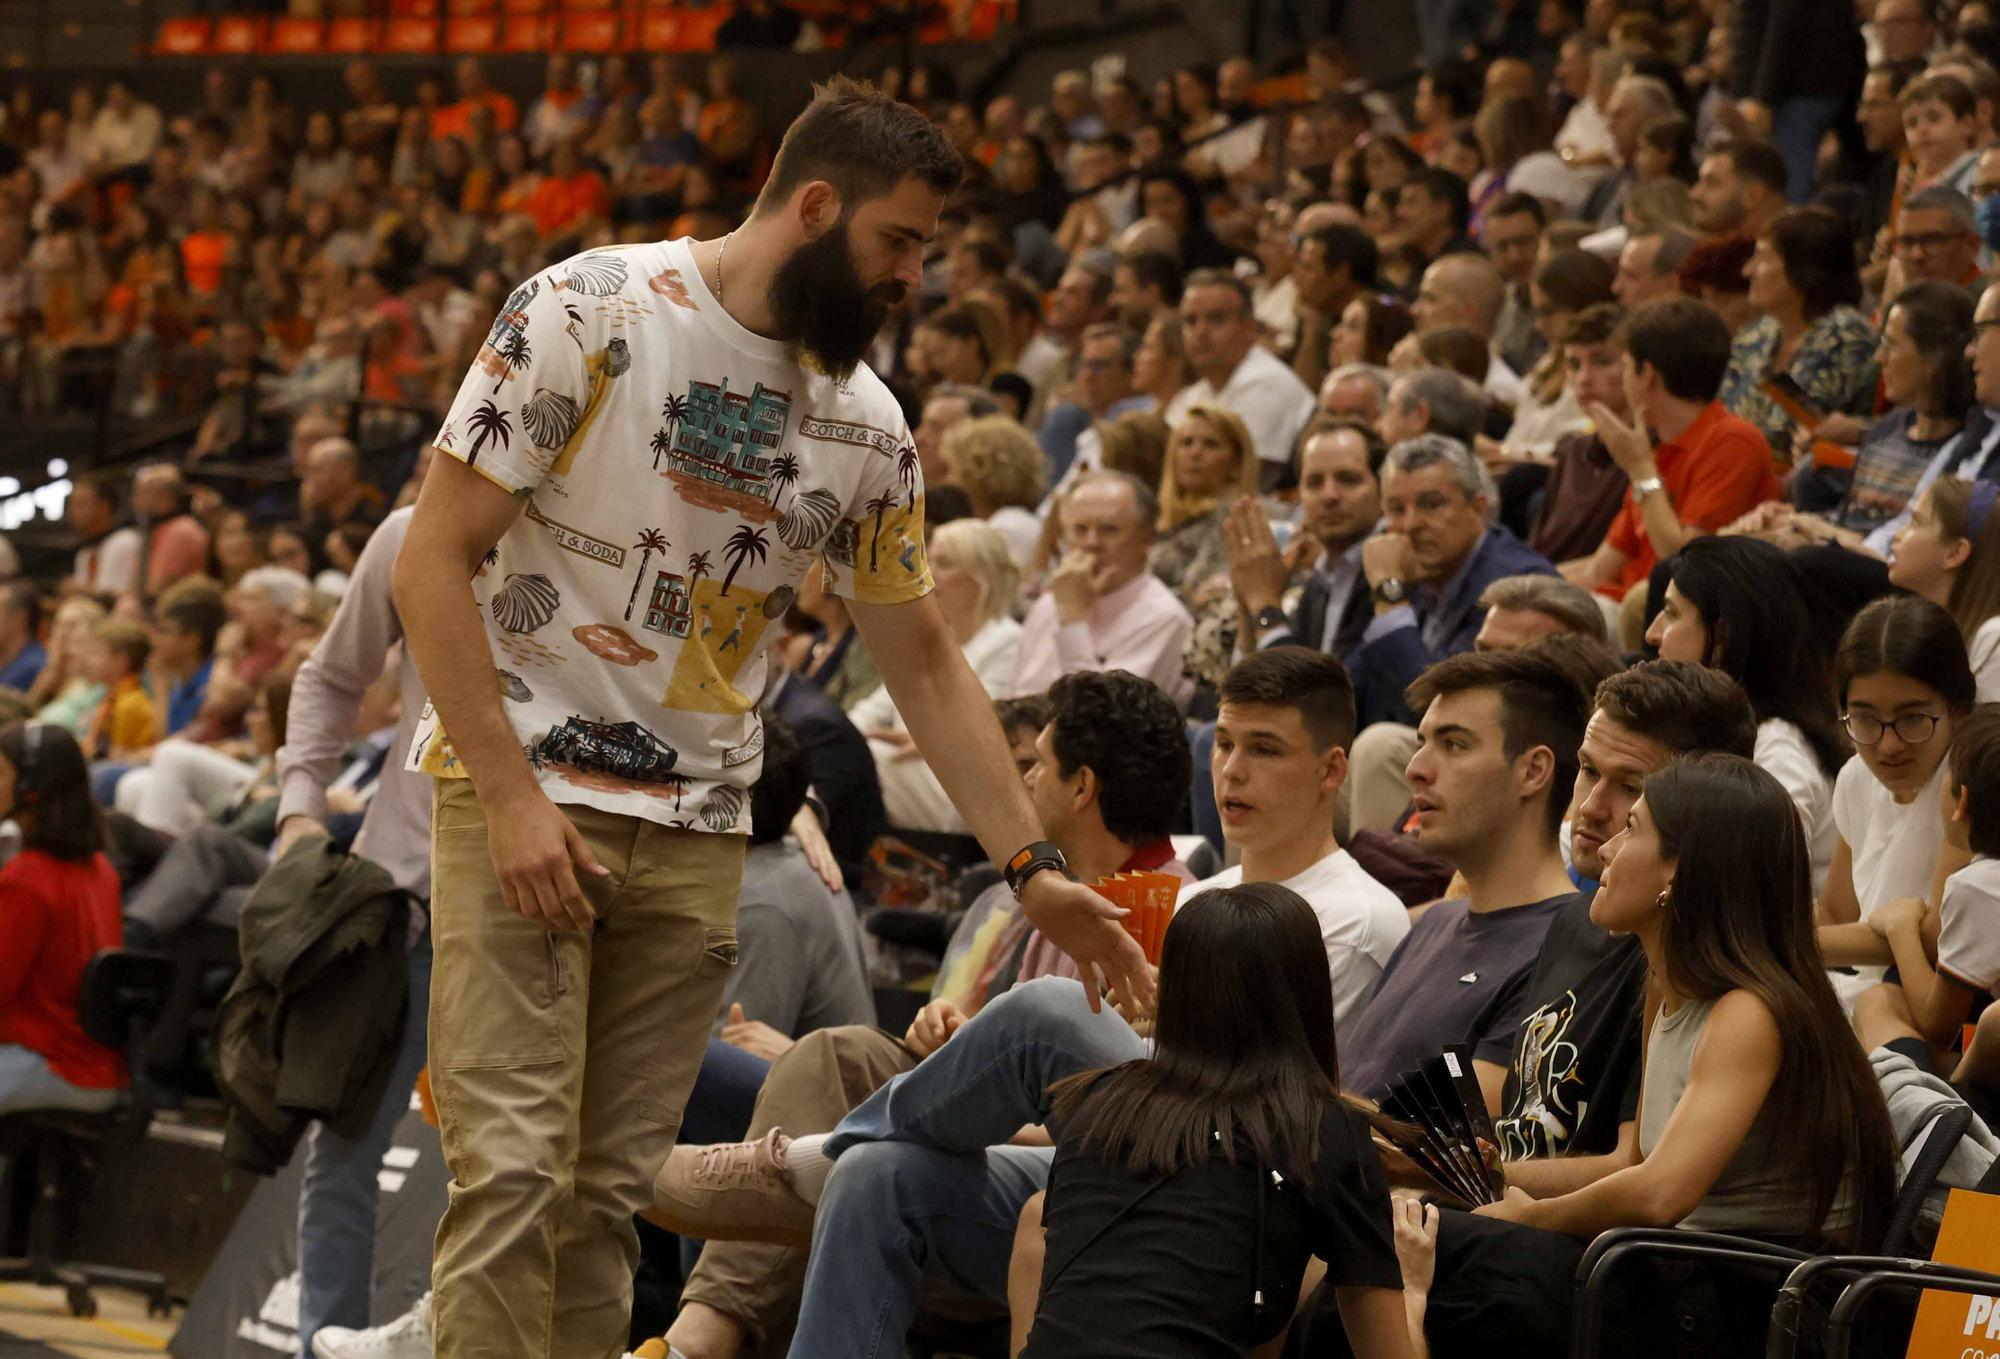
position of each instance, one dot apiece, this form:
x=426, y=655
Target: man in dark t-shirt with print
x=1570, y=1068
x=1496, y=757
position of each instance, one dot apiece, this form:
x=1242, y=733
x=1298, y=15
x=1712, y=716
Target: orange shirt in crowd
x=455, y=120
x=1717, y=471
x=126, y=720
x=558, y=203
x=203, y=255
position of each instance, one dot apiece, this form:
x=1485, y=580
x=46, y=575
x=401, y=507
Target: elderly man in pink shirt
x=1102, y=609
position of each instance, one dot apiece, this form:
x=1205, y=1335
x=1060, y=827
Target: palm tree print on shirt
x=906, y=471
x=877, y=507
x=743, y=545
x=698, y=567
x=514, y=356
x=784, y=472
x=674, y=410
x=650, y=541
x=488, y=422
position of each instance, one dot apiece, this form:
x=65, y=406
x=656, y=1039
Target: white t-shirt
x=680, y=474
x=1360, y=920
x=1894, y=844
x=1984, y=654
x=1782, y=752
x=1969, y=925
x=1266, y=395
x=110, y=565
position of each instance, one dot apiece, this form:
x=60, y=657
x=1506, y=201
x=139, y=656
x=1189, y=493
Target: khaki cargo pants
x=550, y=1153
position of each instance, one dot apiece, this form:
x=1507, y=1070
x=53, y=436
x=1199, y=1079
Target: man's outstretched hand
x=1089, y=929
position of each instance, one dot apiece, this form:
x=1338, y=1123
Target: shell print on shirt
x=679, y=476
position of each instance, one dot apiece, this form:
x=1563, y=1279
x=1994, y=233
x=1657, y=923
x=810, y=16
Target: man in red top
x=568, y=193
x=1707, y=467
x=455, y=120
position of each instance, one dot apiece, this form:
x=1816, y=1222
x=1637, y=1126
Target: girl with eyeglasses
x=1903, y=681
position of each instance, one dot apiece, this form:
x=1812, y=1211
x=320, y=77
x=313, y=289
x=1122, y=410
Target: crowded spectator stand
x=1524, y=520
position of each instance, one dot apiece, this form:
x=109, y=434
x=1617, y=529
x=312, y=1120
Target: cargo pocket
x=718, y=952
x=499, y=997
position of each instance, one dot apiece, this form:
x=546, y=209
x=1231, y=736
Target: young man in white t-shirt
x=1281, y=738
x=653, y=447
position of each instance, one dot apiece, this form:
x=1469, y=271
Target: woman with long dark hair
x=1738, y=605
x=58, y=907
x=1743, y=1034
x=1190, y=1186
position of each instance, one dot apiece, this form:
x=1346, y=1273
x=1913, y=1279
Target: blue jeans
x=338, y=1197
x=26, y=1082
x=1796, y=127
x=724, y=1095
x=918, y=1182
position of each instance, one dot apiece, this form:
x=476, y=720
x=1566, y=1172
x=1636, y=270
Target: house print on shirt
x=721, y=447
x=671, y=608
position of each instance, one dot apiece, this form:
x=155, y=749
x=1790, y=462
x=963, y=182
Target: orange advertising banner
x=1960, y=1325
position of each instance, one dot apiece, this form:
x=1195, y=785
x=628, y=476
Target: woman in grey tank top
x=1758, y=1114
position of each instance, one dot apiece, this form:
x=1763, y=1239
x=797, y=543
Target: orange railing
x=499, y=27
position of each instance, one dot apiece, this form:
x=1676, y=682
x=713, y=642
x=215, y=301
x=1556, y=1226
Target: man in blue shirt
x=20, y=631
x=184, y=648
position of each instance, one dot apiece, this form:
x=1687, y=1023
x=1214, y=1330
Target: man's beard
x=823, y=308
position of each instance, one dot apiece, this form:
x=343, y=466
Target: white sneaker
x=409, y=1336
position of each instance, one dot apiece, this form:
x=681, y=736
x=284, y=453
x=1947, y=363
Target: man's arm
x=951, y=719
x=1599, y=568
x=329, y=687
x=460, y=516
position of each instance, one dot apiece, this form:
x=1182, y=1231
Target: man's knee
x=1046, y=1006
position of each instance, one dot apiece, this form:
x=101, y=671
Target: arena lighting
x=44, y=502
x=58, y=468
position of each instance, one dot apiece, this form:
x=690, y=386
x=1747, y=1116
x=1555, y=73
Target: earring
x=1665, y=899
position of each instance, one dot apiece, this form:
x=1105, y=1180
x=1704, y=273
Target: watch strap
x=1029, y=860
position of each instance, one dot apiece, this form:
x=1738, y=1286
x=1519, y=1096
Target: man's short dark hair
x=1128, y=733
x=1371, y=438
x=1219, y=278
x=1975, y=769
x=1687, y=344
x=1519, y=204
x=1687, y=708
x=1540, y=705
x=200, y=612
x=780, y=790
x=1311, y=682
x=1757, y=161
x=1029, y=710
x=862, y=142
x=1447, y=188
x=1156, y=269
x=1343, y=243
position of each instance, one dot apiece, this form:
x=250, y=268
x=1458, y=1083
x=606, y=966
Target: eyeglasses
x=1929, y=242
x=1912, y=729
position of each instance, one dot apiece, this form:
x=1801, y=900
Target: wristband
x=1030, y=860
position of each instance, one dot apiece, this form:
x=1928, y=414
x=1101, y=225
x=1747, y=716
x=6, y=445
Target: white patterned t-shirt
x=680, y=475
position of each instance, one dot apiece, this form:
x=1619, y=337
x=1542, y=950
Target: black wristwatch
x=1270, y=616
x=1030, y=860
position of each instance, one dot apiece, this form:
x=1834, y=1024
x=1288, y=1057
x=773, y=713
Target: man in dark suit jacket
x=1340, y=503
x=1427, y=571
x=843, y=772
